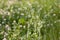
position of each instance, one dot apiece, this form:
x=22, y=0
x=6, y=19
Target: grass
x=30, y=20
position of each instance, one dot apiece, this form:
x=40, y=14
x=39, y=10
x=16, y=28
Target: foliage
x=29, y=20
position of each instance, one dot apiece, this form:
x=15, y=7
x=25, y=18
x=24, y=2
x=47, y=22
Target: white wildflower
x=24, y=26
x=2, y=22
x=4, y=19
x=29, y=15
x=7, y=27
x=29, y=3
x=20, y=25
x=54, y=14
x=22, y=13
x=14, y=21
x=4, y=39
x=5, y=34
x=8, y=13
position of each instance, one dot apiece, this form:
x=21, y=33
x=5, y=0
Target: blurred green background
x=29, y=19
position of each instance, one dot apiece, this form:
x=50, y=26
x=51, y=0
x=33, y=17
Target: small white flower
x=2, y=22
x=7, y=27
x=29, y=3
x=14, y=35
x=20, y=25
x=5, y=34
x=54, y=14
x=24, y=26
x=4, y=39
x=29, y=15
x=4, y=19
x=19, y=8
x=8, y=13
x=22, y=13
x=14, y=21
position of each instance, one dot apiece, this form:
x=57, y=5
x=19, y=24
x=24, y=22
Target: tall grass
x=29, y=20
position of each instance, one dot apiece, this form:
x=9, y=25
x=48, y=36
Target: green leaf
x=21, y=21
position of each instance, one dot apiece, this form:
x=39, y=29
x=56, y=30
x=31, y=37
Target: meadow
x=29, y=19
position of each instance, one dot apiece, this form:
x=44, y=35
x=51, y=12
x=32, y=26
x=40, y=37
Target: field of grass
x=29, y=19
